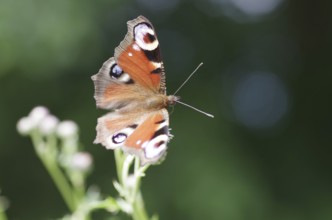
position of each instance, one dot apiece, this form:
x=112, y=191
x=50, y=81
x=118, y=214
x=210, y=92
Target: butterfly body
x=132, y=85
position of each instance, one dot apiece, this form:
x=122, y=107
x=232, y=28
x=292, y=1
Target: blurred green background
x=266, y=77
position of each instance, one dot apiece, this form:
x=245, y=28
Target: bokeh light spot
x=260, y=100
x=244, y=10
x=256, y=7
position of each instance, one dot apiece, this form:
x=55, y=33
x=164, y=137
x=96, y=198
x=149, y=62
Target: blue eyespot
x=116, y=71
x=119, y=138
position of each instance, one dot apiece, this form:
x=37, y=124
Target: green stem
x=61, y=183
x=55, y=172
x=84, y=210
x=139, y=212
x=138, y=172
x=119, y=164
x=77, y=181
x=109, y=203
x=123, y=163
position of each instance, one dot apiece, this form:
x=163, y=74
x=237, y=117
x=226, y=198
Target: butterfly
x=132, y=85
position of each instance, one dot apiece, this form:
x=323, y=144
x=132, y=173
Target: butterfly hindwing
x=149, y=140
x=142, y=134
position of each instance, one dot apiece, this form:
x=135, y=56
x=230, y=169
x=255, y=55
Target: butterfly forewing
x=139, y=55
x=113, y=92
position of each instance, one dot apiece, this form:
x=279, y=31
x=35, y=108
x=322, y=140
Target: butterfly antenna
x=196, y=109
x=188, y=78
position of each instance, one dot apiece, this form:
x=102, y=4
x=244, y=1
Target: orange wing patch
x=146, y=131
x=134, y=62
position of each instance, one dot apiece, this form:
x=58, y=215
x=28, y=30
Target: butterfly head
x=172, y=99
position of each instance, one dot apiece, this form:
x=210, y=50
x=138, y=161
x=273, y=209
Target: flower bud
x=67, y=129
x=38, y=113
x=81, y=161
x=48, y=124
x=25, y=125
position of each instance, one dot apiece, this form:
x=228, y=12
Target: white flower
x=37, y=114
x=25, y=125
x=48, y=124
x=67, y=129
x=81, y=161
